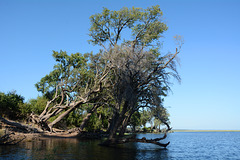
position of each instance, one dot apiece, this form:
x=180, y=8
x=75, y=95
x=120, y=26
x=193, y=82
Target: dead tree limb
x=153, y=141
x=20, y=126
x=133, y=138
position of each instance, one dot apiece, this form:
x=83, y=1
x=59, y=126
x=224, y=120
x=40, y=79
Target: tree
x=73, y=83
x=128, y=74
x=140, y=73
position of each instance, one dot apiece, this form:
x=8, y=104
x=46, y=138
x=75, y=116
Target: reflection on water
x=223, y=145
x=53, y=148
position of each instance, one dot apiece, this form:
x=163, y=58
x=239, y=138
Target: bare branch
x=170, y=60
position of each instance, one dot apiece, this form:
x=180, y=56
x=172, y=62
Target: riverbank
x=16, y=137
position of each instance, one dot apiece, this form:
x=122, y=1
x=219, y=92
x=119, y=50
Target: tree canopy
x=109, y=89
x=145, y=25
x=140, y=73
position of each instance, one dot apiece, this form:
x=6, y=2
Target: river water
x=184, y=145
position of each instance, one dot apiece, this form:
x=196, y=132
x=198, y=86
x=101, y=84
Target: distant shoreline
x=193, y=130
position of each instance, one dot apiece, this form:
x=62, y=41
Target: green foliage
x=155, y=117
x=74, y=118
x=161, y=114
x=24, y=109
x=146, y=129
x=99, y=120
x=131, y=65
x=69, y=69
x=94, y=124
x=145, y=117
x=38, y=105
x=145, y=24
x=11, y=105
x=135, y=120
x=140, y=74
x=133, y=69
x=104, y=113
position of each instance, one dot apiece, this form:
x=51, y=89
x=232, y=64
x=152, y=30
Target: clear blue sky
x=207, y=98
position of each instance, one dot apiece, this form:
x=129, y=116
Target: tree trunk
x=113, y=126
x=86, y=119
x=60, y=117
x=124, y=125
x=117, y=121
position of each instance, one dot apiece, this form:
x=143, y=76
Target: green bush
x=11, y=105
x=38, y=105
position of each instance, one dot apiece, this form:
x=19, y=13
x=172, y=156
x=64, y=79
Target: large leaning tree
x=77, y=81
x=127, y=75
x=140, y=74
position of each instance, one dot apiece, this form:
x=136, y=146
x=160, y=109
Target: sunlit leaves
x=11, y=105
x=69, y=70
x=145, y=24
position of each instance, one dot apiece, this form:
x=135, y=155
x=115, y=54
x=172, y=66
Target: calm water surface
x=184, y=145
